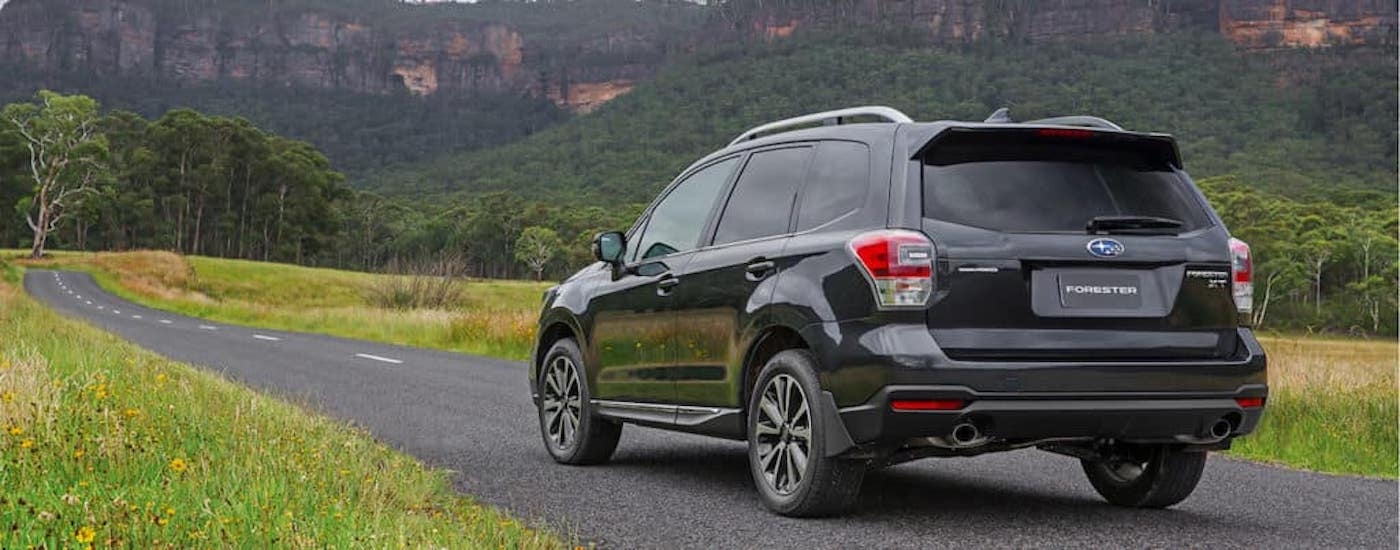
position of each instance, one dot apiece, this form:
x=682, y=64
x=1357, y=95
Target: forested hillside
x=357, y=132
x=1307, y=124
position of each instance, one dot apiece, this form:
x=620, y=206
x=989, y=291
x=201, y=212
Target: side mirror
x=610, y=247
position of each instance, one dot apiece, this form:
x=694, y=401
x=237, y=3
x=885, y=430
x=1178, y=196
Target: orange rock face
x=584, y=97
x=1269, y=24
x=337, y=51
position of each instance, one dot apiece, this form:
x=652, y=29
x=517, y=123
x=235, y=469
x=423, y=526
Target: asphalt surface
x=473, y=415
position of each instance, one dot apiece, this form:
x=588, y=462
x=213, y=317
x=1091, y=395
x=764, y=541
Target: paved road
x=663, y=490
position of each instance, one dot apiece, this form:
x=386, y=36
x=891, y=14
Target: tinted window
x=676, y=222
x=836, y=183
x=1046, y=195
x=761, y=204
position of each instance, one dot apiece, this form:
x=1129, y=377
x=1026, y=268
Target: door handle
x=759, y=269
x=664, y=286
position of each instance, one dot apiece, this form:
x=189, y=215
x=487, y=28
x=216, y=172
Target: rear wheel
x=572, y=433
x=1146, y=476
x=787, y=432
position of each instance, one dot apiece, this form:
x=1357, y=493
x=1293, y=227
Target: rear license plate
x=1095, y=291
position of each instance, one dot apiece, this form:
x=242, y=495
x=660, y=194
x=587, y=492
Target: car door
x=634, y=317
x=724, y=284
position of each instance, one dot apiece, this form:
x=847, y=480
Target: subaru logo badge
x=1105, y=248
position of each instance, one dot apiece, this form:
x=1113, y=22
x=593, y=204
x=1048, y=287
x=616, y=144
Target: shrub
x=421, y=284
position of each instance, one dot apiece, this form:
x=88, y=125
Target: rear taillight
x=1250, y=402
x=1242, y=275
x=899, y=265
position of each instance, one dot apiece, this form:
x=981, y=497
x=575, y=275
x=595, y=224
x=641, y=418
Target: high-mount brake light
x=1242, y=276
x=899, y=265
x=1064, y=133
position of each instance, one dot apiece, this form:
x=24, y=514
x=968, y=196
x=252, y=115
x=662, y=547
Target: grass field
x=103, y=444
x=1333, y=406
x=495, y=318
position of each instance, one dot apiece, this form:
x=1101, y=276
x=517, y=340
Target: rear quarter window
x=836, y=183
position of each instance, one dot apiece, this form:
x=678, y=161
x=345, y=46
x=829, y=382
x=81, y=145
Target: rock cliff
x=342, y=50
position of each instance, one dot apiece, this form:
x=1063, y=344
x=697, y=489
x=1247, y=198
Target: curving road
x=663, y=490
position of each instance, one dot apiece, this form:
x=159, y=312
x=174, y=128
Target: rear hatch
x=1069, y=244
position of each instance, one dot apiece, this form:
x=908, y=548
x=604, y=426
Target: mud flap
x=837, y=440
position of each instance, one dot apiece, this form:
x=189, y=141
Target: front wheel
x=572, y=433
x=787, y=432
x=1146, y=476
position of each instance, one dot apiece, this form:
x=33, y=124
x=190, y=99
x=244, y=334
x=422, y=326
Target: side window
x=761, y=204
x=676, y=222
x=836, y=184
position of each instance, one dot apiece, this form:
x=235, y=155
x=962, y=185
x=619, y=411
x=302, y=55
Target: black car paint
x=719, y=311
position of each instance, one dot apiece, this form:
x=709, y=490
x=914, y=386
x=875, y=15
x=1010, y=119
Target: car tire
x=573, y=433
x=793, y=475
x=1155, y=476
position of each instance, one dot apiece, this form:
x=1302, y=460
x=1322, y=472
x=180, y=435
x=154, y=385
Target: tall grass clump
x=420, y=284
x=1332, y=407
x=102, y=444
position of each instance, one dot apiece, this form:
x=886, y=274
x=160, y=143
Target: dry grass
x=1331, y=365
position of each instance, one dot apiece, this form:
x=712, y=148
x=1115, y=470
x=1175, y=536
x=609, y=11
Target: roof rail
x=827, y=117
x=1078, y=120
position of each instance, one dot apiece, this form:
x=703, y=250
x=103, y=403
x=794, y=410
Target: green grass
x=1342, y=432
x=1333, y=406
x=495, y=318
x=105, y=444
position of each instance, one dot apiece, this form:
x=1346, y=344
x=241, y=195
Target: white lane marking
x=378, y=358
x=88, y=302
x=208, y=327
x=116, y=312
x=80, y=296
x=268, y=338
x=165, y=321
x=100, y=308
x=70, y=292
x=135, y=316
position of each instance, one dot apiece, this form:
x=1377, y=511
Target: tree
x=67, y=157
x=536, y=247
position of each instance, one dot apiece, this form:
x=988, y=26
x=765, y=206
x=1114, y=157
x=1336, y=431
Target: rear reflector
x=1250, y=402
x=927, y=404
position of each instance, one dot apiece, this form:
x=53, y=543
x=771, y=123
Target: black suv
x=845, y=295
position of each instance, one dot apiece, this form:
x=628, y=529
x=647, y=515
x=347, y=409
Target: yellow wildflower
x=161, y=378
x=16, y=430
x=78, y=453
x=85, y=534
x=178, y=465
x=26, y=444
x=132, y=413
x=7, y=396
x=101, y=392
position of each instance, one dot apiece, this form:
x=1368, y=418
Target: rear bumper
x=868, y=364
x=1154, y=418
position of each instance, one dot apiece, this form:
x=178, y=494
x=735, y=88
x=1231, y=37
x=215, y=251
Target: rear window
x=1024, y=188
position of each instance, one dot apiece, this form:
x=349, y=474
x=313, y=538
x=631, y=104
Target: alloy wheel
x=784, y=434
x=562, y=399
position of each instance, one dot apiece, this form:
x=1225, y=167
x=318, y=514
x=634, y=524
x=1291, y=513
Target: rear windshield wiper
x=1134, y=224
